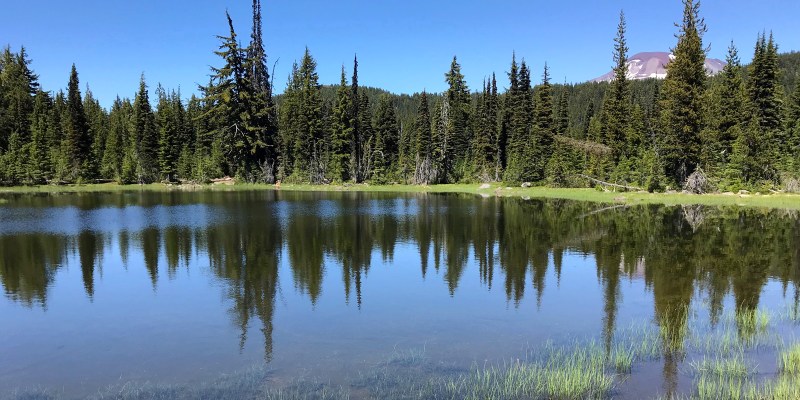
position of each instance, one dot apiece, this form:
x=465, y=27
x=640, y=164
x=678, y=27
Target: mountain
x=652, y=64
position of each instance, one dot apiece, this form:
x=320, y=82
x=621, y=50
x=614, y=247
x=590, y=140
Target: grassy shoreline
x=773, y=200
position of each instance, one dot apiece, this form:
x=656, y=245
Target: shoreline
x=772, y=200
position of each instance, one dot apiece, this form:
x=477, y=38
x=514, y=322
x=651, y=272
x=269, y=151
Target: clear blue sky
x=403, y=46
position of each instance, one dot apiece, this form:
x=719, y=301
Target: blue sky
x=403, y=46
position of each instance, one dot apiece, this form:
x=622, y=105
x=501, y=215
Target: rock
x=727, y=194
x=485, y=186
x=526, y=184
x=744, y=192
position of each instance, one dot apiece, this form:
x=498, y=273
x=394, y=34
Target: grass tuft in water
x=790, y=361
x=733, y=367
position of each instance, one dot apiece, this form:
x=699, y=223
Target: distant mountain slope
x=652, y=64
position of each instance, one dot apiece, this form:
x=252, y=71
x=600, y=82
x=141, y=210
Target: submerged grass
x=775, y=200
x=718, y=357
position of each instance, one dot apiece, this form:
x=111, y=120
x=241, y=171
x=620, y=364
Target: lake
x=378, y=295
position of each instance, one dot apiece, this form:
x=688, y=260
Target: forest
x=737, y=130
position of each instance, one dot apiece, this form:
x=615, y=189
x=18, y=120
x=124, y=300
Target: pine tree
x=681, y=98
x=41, y=118
x=308, y=144
x=519, y=121
x=77, y=139
x=387, y=138
x=496, y=139
x=365, y=138
x=730, y=111
x=543, y=129
x=170, y=120
x=562, y=113
x=18, y=85
x=289, y=113
x=342, y=132
x=423, y=171
x=485, y=132
x=97, y=120
x=793, y=130
x=617, y=105
x=766, y=100
x=260, y=118
x=457, y=133
x=119, y=136
x=144, y=148
x=357, y=139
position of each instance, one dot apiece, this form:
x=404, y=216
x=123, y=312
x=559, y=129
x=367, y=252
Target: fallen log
x=609, y=183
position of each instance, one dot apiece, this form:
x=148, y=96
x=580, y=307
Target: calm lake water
x=101, y=289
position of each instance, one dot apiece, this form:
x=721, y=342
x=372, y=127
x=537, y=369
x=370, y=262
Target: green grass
x=733, y=367
x=790, y=361
x=784, y=201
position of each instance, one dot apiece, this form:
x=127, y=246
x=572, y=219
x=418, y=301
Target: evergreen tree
x=342, y=132
x=439, y=144
x=485, y=132
x=766, y=100
x=681, y=98
x=562, y=113
x=365, y=139
x=730, y=111
x=307, y=145
x=496, y=138
x=357, y=137
x=519, y=119
x=793, y=130
x=170, y=120
x=225, y=97
x=423, y=171
x=118, y=141
x=457, y=133
x=97, y=120
x=77, y=139
x=617, y=105
x=259, y=117
x=543, y=129
x=387, y=137
x=18, y=85
x=41, y=119
x=144, y=148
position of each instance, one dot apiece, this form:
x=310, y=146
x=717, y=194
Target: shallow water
x=176, y=288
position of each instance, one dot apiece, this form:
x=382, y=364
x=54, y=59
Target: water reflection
x=242, y=237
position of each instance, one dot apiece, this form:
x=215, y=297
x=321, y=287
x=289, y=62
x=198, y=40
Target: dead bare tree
x=697, y=182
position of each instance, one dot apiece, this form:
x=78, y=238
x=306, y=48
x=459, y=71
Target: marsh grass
x=733, y=367
x=790, y=361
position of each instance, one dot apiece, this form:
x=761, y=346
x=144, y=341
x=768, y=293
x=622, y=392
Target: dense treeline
x=739, y=129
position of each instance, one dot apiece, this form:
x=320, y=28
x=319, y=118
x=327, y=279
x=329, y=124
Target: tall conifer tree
x=78, y=141
x=681, y=98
